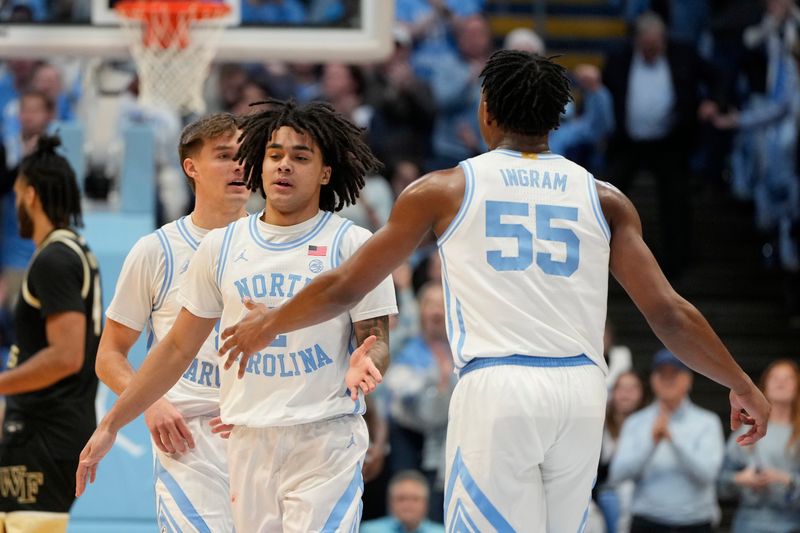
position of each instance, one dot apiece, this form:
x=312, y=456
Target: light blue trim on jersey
x=283, y=246
x=152, y=337
x=448, y=306
x=598, y=211
x=224, y=250
x=481, y=501
x=469, y=193
x=542, y=156
x=525, y=360
x=191, y=241
x=462, y=330
x=170, y=520
x=181, y=500
x=340, y=509
x=336, y=257
x=168, y=269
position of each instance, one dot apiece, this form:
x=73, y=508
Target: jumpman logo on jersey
x=241, y=256
x=352, y=441
x=185, y=267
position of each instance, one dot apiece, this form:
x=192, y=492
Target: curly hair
x=525, y=93
x=51, y=175
x=340, y=141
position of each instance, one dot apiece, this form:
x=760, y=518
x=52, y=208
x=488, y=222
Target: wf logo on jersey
x=17, y=482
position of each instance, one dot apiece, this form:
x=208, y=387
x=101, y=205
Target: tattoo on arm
x=378, y=326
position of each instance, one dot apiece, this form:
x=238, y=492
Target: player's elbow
x=71, y=362
x=672, y=314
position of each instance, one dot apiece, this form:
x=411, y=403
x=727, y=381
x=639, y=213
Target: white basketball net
x=173, y=49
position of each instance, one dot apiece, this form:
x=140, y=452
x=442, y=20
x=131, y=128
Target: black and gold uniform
x=45, y=430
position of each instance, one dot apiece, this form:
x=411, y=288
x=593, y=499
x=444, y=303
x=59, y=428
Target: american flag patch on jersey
x=317, y=250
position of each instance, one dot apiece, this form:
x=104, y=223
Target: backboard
x=363, y=33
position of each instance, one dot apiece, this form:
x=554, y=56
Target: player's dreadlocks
x=339, y=140
x=52, y=177
x=525, y=93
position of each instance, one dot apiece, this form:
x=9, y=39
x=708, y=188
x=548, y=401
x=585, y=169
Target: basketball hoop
x=173, y=44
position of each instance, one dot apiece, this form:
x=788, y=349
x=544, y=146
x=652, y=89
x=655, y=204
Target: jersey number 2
x=545, y=214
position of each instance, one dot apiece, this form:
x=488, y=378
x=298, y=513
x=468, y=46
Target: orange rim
x=144, y=10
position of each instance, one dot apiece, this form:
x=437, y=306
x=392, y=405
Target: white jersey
x=299, y=377
x=146, y=297
x=525, y=260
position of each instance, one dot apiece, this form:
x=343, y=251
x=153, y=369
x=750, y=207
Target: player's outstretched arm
x=159, y=372
x=422, y=206
x=675, y=321
x=165, y=423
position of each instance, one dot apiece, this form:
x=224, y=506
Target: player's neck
x=524, y=143
x=42, y=227
x=215, y=216
x=276, y=217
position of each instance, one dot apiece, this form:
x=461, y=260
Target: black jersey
x=62, y=276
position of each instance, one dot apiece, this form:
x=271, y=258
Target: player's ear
x=189, y=167
x=326, y=175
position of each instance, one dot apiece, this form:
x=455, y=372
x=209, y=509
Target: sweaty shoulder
x=437, y=196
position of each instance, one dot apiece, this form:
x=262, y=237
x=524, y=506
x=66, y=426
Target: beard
x=25, y=222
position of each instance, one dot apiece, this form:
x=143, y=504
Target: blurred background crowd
x=689, y=106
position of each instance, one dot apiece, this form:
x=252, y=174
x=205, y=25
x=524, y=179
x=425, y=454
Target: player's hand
x=772, y=476
x=168, y=427
x=98, y=446
x=752, y=409
x=246, y=337
x=362, y=374
x=373, y=462
x=218, y=428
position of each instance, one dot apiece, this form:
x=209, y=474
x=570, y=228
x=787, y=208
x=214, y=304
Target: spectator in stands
x=47, y=79
x=402, y=174
x=15, y=78
x=343, y=86
x=419, y=384
x=456, y=90
x=35, y=117
x=278, y=12
x=688, y=20
x=431, y=25
x=673, y=451
x=765, y=476
x=617, y=356
x=408, y=507
x=402, y=123
x=654, y=86
x=765, y=151
x=627, y=397
x=580, y=135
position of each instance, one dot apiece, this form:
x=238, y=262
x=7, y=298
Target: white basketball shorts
x=192, y=492
x=298, y=479
x=523, y=445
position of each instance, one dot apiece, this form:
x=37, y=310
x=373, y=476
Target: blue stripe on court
x=180, y=498
x=476, y=495
x=344, y=503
